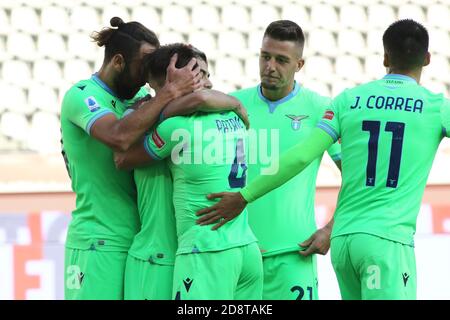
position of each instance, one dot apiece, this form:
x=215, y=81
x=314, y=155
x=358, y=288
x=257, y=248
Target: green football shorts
x=372, y=268
x=232, y=274
x=147, y=281
x=94, y=275
x=290, y=276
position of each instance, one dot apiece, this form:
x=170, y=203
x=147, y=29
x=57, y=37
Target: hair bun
x=116, y=22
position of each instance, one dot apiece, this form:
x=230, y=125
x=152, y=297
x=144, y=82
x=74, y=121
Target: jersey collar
x=394, y=76
x=99, y=81
x=273, y=104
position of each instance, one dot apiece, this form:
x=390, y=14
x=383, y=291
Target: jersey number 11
x=397, y=129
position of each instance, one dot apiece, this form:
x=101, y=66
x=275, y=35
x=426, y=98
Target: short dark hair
x=124, y=38
x=285, y=30
x=406, y=44
x=156, y=63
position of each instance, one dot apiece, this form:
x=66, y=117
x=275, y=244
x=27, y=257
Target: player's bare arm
x=206, y=100
x=121, y=134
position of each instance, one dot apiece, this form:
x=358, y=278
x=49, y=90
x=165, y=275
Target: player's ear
x=300, y=64
x=386, y=60
x=118, y=62
x=427, y=59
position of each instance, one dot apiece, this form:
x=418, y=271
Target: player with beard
x=106, y=218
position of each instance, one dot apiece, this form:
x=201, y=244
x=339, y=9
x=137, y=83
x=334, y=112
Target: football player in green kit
x=280, y=104
x=106, y=218
x=151, y=258
x=208, y=264
x=390, y=130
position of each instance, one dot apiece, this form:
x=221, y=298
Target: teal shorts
x=147, y=281
x=372, y=268
x=233, y=274
x=94, y=275
x=290, y=276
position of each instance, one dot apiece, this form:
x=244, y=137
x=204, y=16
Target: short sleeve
x=83, y=109
x=161, y=140
x=445, y=117
x=330, y=120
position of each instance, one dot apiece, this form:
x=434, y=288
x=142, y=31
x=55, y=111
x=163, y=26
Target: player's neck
x=107, y=78
x=278, y=94
x=415, y=74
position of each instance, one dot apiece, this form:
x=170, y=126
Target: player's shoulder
x=83, y=88
x=307, y=93
x=432, y=96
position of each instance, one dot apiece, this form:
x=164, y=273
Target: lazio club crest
x=295, y=124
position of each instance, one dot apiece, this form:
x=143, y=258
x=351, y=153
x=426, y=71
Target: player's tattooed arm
x=121, y=134
x=206, y=100
x=135, y=157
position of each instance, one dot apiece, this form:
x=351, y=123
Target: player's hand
x=242, y=113
x=319, y=243
x=231, y=204
x=184, y=80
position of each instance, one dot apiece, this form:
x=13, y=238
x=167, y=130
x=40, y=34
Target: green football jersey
x=106, y=215
x=157, y=239
x=206, y=154
x=284, y=217
x=390, y=130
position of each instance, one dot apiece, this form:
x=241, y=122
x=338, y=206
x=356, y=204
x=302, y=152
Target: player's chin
x=269, y=85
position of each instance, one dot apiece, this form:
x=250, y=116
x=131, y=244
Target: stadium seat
x=175, y=17
x=232, y=43
x=235, y=17
x=439, y=42
x=438, y=16
x=375, y=41
x=380, y=16
x=296, y=13
x=228, y=69
x=13, y=99
x=51, y=45
x=349, y=68
x=438, y=69
x=373, y=67
x=25, y=19
x=45, y=133
x=321, y=42
x=14, y=125
x=171, y=37
x=352, y=16
x=85, y=19
x=251, y=69
x=254, y=42
x=411, y=11
x=205, y=17
x=4, y=55
x=21, y=45
x=16, y=72
x=205, y=41
x=55, y=19
x=109, y=11
x=80, y=45
x=320, y=87
x=75, y=70
x=351, y=42
x=5, y=25
x=340, y=85
x=318, y=67
x=41, y=97
x=261, y=16
x=146, y=15
x=47, y=72
x=324, y=16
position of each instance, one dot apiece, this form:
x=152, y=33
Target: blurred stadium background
x=45, y=47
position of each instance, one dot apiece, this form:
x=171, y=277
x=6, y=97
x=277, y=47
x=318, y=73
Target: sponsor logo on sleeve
x=159, y=142
x=92, y=104
x=329, y=115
